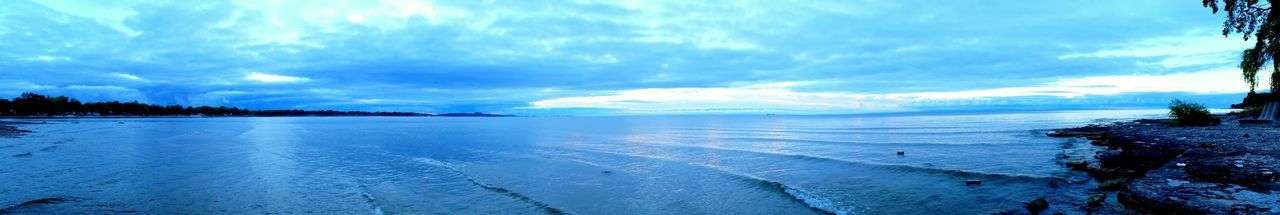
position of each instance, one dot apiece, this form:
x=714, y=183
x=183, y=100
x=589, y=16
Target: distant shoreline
x=32, y=105
x=178, y=117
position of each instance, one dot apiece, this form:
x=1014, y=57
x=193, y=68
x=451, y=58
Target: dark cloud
x=500, y=56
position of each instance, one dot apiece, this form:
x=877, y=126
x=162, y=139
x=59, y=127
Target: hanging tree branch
x=1253, y=18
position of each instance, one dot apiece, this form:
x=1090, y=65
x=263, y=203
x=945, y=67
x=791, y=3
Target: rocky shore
x=7, y=130
x=1153, y=166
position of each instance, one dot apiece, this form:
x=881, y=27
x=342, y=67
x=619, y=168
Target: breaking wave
x=509, y=193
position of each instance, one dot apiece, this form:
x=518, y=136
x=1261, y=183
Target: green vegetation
x=1191, y=114
x=1253, y=18
x=31, y=104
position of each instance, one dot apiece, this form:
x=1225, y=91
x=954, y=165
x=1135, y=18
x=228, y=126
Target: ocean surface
x=549, y=165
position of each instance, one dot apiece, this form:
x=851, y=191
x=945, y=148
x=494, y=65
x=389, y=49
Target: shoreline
x=7, y=130
x=183, y=117
x=1153, y=166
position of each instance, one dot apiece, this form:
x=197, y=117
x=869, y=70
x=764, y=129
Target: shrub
x=1191, y=114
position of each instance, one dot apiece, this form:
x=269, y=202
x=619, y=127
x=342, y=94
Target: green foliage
x=1191, y=114
x=1252, y=18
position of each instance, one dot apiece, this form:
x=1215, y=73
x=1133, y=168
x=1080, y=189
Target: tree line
x=31, y=104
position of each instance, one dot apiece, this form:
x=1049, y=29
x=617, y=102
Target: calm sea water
x=538, y=165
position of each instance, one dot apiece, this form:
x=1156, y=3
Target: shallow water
x=538, y=165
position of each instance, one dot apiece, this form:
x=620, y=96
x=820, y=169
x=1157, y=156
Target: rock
x=1114, y=172
x=1157, y=168
x=1078, y=165
x=1035, y=206
x=1258, y=173
x=1154, y=121
x=1096, y=199
x=1190, y=197
x=1112, y=183
x=1133, y=158
x=1086, y=131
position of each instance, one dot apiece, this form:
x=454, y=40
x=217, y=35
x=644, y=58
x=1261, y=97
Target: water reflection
x=270, y=167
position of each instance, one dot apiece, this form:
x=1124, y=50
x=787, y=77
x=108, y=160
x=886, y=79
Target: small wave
x=804, y=197
x=846, y=143
x=821, y=129
x=869, y=132
x=512, y=194
x=813, y=201
x=31, y=204
x=373, y=202
x=899, y=168
x=907, y=168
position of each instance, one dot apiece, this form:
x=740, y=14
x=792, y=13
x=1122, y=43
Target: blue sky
x=622, y=57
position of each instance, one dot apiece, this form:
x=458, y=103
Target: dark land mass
x=1154, y=166
x=36, y=105
x=476, y=114
x=7, y=130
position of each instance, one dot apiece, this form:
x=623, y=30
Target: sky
x=583, y=57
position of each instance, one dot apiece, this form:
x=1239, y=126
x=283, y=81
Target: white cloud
x=272, y=78
x=1195, y=48
x=98, y=88
x=1171, y=46
x=47, y=58
x=127, y=76
x=777, y=96
x=18, y=86
x=673, y=99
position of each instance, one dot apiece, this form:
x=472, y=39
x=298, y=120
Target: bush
x=1191, y=114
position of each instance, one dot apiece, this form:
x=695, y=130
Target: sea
x=723, y=164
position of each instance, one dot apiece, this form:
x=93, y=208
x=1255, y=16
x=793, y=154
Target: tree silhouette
x=31, y=104
x=1253, y=18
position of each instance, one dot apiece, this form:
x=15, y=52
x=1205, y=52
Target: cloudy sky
x=622, y=57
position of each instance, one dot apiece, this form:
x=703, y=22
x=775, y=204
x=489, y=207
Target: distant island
x=36, y=105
